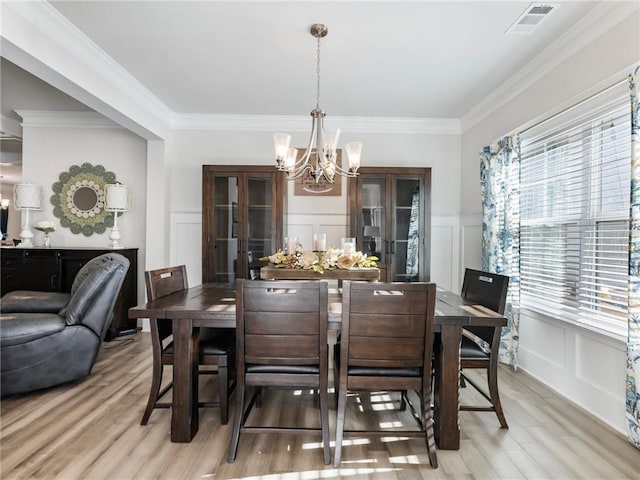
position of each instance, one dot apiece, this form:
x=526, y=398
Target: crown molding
x=597, y=22
x=301, y=123
x=65, y=119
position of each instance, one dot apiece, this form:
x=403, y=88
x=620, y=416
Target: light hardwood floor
x=91, y=430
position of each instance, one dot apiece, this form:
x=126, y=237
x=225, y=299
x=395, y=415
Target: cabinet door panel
x=393, y=203
x=242, y=213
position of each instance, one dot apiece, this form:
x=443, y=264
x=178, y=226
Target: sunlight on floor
x=394, y=424
x=409, y=459
x=319, y=474
x=345, y=442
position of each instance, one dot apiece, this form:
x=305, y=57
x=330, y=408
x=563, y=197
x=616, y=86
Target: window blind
x=574, y=210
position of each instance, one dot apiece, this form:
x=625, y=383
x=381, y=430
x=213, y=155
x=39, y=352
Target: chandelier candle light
x=27, y=197
x=117, y=200
x=319, y=160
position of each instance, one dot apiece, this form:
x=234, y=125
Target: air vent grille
x=531, y=18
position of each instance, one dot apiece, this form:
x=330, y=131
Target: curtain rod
x=575, y=105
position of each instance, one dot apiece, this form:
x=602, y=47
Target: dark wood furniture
x=490, y=290
x=397, y=202
x=242, y=219
x=216, y=347
x=54, y=269
x=281, y=343
x=212, y=305
x=386, y=343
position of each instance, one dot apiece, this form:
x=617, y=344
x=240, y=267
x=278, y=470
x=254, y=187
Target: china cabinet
x=242, y=220
x=390, y=217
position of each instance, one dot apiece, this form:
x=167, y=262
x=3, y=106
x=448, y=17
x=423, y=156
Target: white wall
x=51, y=150
x=586, y=367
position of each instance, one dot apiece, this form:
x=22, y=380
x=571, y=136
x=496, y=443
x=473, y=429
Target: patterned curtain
x=500, y=184
x=633, y=339
x=413, y=242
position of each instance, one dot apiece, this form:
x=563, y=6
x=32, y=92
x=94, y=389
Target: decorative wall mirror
x=78, y=199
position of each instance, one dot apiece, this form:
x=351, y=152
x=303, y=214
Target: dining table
x=214, y=305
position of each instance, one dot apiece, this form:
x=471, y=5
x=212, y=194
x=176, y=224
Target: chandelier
x=319, y=159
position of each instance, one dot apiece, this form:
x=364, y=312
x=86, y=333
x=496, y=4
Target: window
x=574, y=210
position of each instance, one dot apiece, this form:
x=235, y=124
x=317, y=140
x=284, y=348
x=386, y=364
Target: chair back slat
x=384, y=325
x=165, y=281
x=282, y=349
x=281, y=323
x=282, y=299
x=387, y=300
x=275, y=323
x=390, y=351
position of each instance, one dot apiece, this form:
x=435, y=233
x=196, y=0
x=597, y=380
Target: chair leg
x=403, y=401
x=223, y=388
x=237, y=422
x=342, y=402
x=427, y=422
x=258, y=396
x=324, y=422
x=156, y=380
x=492, y=375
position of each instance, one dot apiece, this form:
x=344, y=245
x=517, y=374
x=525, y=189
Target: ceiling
x=422, y=59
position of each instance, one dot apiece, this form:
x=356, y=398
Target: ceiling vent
x=531, y=18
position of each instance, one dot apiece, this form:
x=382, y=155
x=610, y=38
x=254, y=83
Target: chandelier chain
x=318, y=74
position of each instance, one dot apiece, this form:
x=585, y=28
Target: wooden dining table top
x=212, y=300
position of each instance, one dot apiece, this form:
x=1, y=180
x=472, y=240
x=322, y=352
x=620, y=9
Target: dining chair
x=386, y=344
x=480, y=345
x=216, y=346
x=281, y=342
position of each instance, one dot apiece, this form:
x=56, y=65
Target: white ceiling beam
x=37, y=38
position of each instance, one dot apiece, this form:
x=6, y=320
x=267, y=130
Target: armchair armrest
x=28, y=301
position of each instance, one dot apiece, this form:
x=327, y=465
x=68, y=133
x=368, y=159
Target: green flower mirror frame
x=79, y=199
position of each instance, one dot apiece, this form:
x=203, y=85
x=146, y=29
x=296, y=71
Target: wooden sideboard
x=54, y=269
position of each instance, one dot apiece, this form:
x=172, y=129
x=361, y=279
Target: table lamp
x=27, y=197
x=372, y=232
x=117, y=200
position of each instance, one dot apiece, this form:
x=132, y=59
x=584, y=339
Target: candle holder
x=320, y=242
x=290, y=245
x=348, y=245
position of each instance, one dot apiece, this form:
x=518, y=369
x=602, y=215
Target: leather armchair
x=50, y=338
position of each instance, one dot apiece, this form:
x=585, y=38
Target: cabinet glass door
x=374, y=218
x=405, y=244
x=226, y=223
x=260, y=226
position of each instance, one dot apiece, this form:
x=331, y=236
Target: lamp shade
x=27, y=196
x=371, y=231
x=354, y=151
x=117, y=197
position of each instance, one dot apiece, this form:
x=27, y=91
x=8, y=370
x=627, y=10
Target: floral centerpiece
x=321, y=261
x=47, y=228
